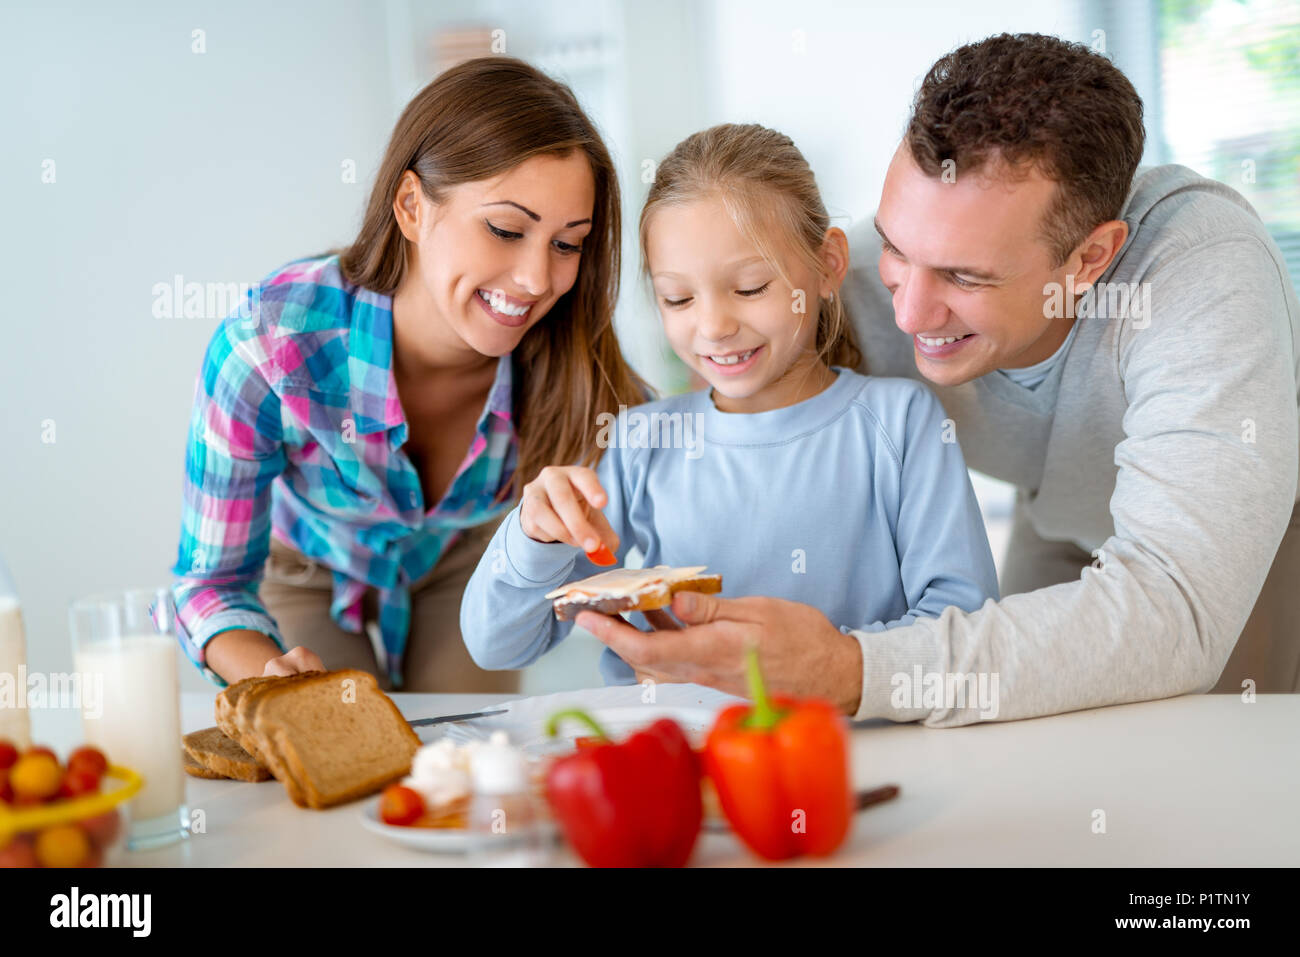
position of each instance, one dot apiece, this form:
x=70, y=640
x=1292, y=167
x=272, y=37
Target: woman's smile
x=504, y=309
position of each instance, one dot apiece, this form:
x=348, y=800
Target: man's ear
x=406, y=205
x=835, y=260
x=1092, y=256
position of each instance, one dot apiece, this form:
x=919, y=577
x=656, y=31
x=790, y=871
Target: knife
x=448, y=718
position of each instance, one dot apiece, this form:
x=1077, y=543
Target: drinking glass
x=124, y=646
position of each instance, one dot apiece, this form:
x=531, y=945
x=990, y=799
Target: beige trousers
x=1268, y=651
x=297, y=592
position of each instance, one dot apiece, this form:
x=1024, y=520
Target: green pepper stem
x=764, y=716
x=553, y=722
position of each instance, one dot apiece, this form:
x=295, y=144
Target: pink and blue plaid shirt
x=297, y=431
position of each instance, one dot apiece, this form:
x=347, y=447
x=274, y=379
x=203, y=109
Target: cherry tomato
x=63, y=845
x=18, y=853
x=35, y=777
x=400, y=805
x=102, y=829
x=41, y=749
x=88, y=759
x=8, y=754
x=6, y=792
x=602, y=556
x=78, y=781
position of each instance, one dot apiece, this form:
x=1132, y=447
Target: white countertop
x=1200, y=780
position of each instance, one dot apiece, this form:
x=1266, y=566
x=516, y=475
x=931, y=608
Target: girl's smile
x=734, y=363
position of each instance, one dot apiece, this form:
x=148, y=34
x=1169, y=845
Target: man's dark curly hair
x=1028, y=100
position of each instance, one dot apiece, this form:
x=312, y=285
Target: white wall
x=217, y=166
x=845, y=98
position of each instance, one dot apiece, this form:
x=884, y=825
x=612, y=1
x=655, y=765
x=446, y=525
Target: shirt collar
x=370, y=369
x=501, y=398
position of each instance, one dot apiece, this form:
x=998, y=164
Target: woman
x=361, y=427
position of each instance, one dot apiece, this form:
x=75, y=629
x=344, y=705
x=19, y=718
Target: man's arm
x=1206, y=484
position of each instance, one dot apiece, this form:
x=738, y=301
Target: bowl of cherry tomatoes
x=56, y=814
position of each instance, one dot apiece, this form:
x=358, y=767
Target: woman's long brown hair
x=478, y=120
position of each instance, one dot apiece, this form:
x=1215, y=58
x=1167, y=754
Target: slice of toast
x=336, y=734
x=195, y=769
x=257, y=742
x=217, y=752
x=227, y=703
x=630, y=589
x=227, y=713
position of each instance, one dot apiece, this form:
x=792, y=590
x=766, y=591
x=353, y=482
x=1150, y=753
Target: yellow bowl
x=69, y=810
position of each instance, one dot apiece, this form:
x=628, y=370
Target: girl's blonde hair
x=768, y=189
x=477, y=120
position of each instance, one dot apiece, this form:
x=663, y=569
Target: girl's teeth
x=732, y=360
x=940, y=342
x=497, y=304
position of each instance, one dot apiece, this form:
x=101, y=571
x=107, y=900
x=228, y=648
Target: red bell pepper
x=631, y=804
x=781, y=770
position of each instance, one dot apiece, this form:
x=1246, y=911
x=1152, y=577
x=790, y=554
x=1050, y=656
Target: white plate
x=619, y=709
x=449, y=840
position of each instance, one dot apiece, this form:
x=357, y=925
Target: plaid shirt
x=297, y=431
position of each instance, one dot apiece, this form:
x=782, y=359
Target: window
x=1229, y=103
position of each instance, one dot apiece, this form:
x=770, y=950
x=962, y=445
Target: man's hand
x=800, y=651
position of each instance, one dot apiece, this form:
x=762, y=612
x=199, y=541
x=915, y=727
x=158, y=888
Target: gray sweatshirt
x=1166, y=443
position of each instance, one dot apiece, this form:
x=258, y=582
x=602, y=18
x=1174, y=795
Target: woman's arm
x=233, y=453
x=242, y=653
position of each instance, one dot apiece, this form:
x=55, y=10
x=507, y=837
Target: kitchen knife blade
x=448, y=718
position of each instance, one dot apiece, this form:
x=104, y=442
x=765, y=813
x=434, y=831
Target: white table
x=1201, y=780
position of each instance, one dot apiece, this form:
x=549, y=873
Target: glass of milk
x=14, y=726
x=124, y=646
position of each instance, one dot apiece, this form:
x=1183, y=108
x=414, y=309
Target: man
x=1121, y=349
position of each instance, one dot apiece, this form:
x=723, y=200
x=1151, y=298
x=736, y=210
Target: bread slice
x=258, y=743
x=630, y=589
x=228, y=701
x=213, y=749
x=195, y=769
x=337, y=749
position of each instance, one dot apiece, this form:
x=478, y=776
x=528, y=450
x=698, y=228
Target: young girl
x=793, y=476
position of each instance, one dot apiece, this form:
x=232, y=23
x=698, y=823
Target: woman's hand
x=563, y=505
x=297, y=660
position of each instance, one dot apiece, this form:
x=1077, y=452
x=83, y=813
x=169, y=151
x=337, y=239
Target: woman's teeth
x=498, y=304
x=925, y=340
x=732, y=360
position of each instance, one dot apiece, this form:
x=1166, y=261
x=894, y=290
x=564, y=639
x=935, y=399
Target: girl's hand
x=297, y=660
x=563, y=505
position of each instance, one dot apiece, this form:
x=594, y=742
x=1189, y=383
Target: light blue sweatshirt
x=855, y=501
